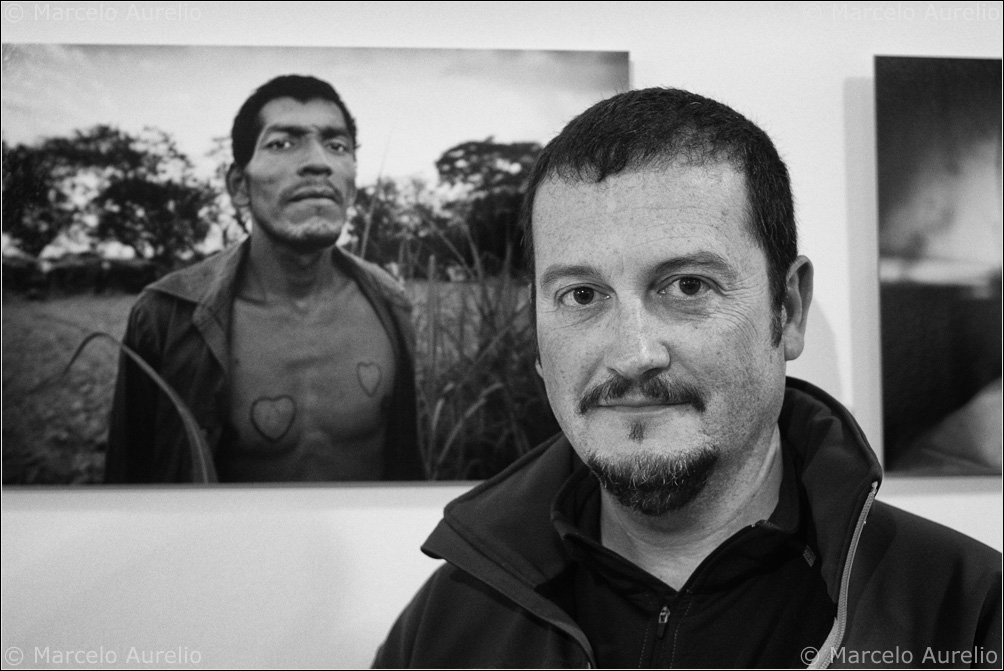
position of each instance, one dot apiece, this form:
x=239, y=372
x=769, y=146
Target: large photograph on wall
x=940, y=249
x=405, y=354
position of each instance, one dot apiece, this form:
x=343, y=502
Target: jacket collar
x=211, y=286
x=501, y=531
x=837, y=468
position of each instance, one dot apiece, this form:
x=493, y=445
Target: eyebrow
x=300, y=131
x=699, y=260
x=560, y=270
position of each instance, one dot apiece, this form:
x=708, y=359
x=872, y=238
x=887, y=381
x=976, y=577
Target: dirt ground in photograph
x=55, y=426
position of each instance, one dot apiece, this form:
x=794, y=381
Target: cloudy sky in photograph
x=410, y=104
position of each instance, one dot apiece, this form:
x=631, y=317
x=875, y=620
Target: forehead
x=634, y=215
x=317, y=114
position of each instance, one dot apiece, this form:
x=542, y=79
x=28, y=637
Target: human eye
x=278, y=143
x=686, y=286
x=340, y=145
x=580, y=297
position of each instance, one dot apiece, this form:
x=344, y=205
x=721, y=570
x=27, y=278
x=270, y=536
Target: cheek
x=569, y=341
x=563, y=363
x=729, y=356
x=743, y=334
x=262, y=176
x=553, y=363
x=745, y=368
x=267, y=182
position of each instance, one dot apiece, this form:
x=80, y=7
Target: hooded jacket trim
x=836, y=636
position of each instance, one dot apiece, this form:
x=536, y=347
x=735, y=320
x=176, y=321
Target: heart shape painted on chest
x=369, y=375
x=273, y=417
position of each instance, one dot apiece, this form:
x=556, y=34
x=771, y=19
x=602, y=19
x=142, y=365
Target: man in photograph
x=295, y=358
x=699, y=509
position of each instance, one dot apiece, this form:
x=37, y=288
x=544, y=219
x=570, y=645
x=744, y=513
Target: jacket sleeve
x=988, y=633
x=458, y=621
x=403, y=456
x=131, y=426
x=407, y=462
x=396, y=651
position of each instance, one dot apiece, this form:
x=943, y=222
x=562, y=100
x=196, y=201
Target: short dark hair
x=658, y=126
x=247, y=123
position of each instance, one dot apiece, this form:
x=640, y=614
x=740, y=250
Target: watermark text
x=101, y=12
x=904, y=12
x=978, y=656
x=102, y=656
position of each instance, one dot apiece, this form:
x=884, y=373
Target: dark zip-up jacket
x=181, y=325
x=907, y=590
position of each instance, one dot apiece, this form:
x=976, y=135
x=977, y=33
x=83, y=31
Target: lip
x=316, y=193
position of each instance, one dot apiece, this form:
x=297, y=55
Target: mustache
x=657, y=389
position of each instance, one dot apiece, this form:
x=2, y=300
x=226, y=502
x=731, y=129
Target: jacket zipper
x=836, y=636
x=651, y=648
x=663, y=619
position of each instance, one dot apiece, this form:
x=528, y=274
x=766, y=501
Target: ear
x=795, y=308
x=237, y=186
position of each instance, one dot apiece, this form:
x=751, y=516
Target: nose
x=640, y=348
x=316, y=160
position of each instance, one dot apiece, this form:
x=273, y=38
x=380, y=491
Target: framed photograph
x=940, y=253
x=116, y=163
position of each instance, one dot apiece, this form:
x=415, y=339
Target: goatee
x=655, y=484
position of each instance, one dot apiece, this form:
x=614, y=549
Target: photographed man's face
x=654, y=322
x=300, y=181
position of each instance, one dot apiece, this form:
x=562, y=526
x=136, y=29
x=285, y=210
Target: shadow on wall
x=862, y=257
x=819, y=362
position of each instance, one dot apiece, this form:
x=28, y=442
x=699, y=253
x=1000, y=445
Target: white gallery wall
x=314, y=576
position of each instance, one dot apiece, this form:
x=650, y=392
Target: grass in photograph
x=481, y=402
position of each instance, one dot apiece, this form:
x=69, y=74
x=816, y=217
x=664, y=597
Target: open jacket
x=900, y=583
x=181, y=324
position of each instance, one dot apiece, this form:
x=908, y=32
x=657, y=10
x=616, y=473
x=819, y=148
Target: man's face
x=654, y=321
x=300, y=181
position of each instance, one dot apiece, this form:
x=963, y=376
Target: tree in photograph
x=407, y=222
x=375, y=221
x=35, y=210
x=488, y=166
x=161, y=221
x=154, y=204
x=109, y=185
x=495, y=173
x=232, y=223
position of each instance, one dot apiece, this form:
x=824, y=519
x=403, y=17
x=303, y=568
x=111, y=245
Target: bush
x=481, y=402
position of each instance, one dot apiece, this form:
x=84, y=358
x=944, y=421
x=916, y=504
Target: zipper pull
x=663, y=619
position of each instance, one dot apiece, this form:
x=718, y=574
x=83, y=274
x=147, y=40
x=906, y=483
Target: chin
x=655, y=484
x=307, y=236
x=313, y=243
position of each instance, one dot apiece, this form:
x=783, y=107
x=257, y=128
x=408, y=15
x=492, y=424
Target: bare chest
x=310, y=391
